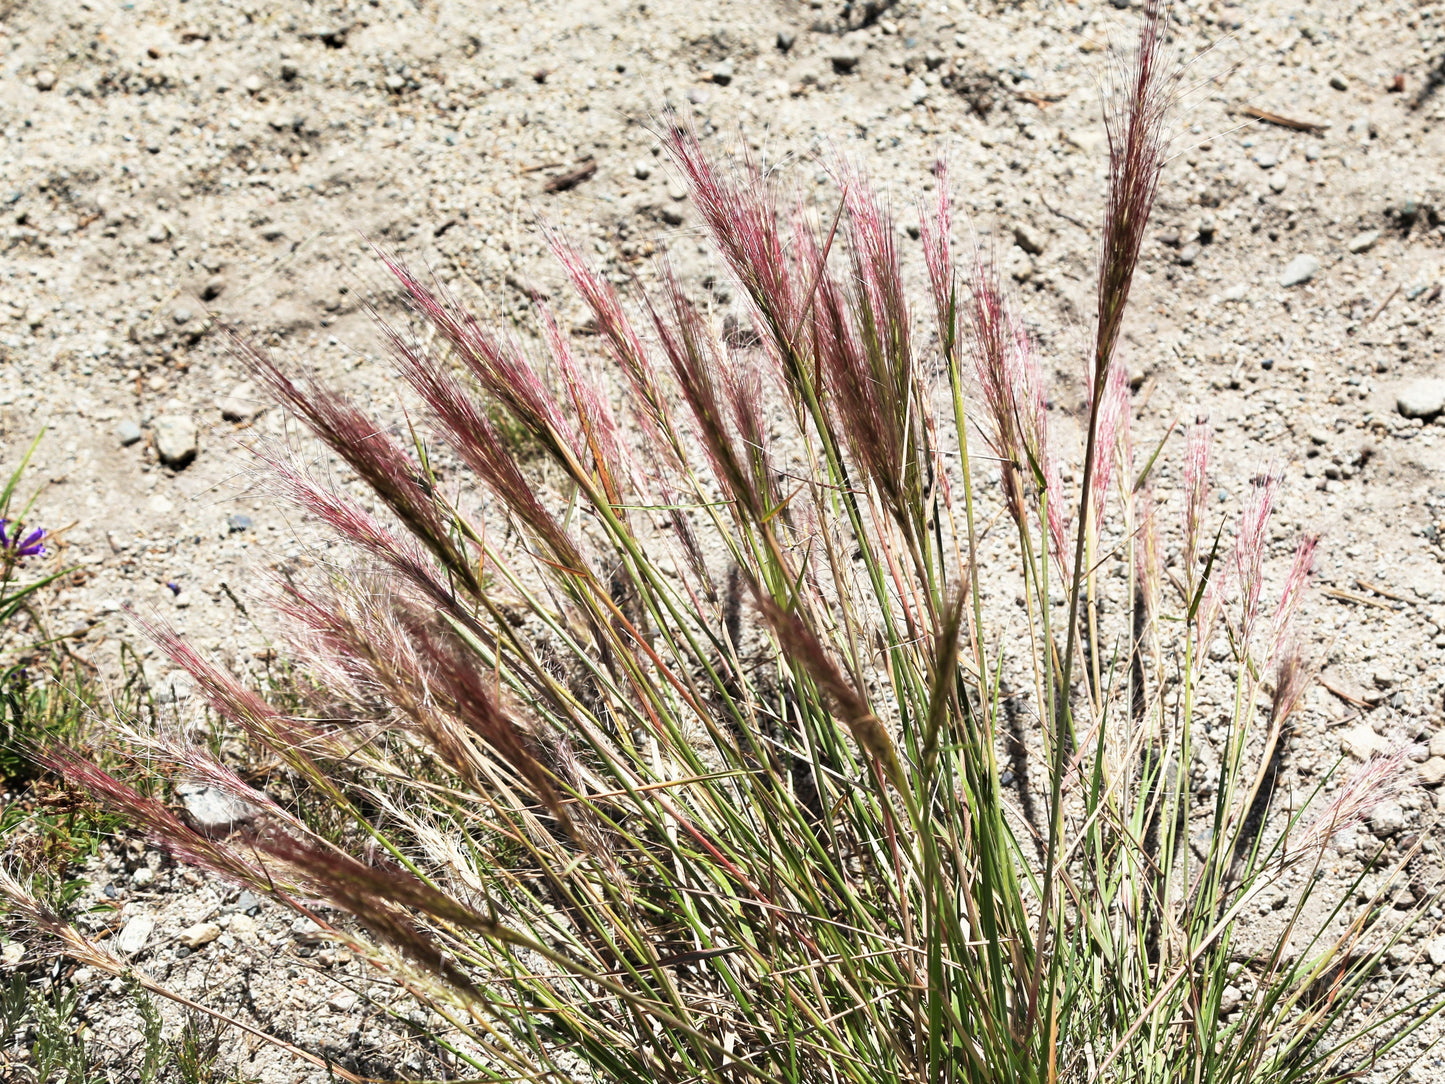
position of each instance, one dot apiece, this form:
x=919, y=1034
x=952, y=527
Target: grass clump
x=736, y=757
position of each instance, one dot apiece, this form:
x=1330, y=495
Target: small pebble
x=252, y=84
x=1266, y=158
x=158, y=232
x=1188, y=254
x=1437, y=744
x=243, y=926
x=1363, y=242
x=844, y=63
x=786, y=38
x=289, y=71
x=143, y=877
x=45, y=79
x=1300, y=270
x=344, y=1001
x=641, y=170
x=1238, y=292
x=394, y=83
x=1435, y=948
x=213, y=288
x=128, y=433
x=237, y=522
x=1338, y=82
x=182, y=315
x=722, y=73
x=1278, y=183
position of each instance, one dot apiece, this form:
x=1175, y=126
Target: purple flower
x=14, y=546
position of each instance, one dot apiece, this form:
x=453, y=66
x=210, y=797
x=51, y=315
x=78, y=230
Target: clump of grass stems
x=687, y=768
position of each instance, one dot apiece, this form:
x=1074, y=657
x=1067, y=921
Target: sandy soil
x=169, y=168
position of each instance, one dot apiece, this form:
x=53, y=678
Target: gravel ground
x=171, y=168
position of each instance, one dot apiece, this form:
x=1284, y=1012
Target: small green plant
x=692, y=767
x=57, y=1047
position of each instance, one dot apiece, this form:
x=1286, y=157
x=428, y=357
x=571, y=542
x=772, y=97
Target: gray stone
x=723, y=72
x=213, y=289
x=182, y=314
x=1435, y=949
x=45, y=79
x=394, y=83
x=202, y=933
x=128, y=433
x=237, y=522
x=176, y=439
x=134, y=935
x=344, y=1001
x=1423, y=398
x=143, y=877
x=1188, y=254
x=214, y=812
x=158, y=232
x=243, y=403
x=1338, y=82
x=1437, y=744
x=1363, y=242
x=786, y=38
x=1387, y=818
x=1300, y=270
x=844, y=63
x=1279, y=182
x=1266, y=158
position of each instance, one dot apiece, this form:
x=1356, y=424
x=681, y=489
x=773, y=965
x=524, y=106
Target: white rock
x=1437, y=744
x=176, y=439
x=1423, y=398
x=243, y=926
x=134, y=935
x=343, y=1001
x=1300, y=270
x=1435, y=949
x=12, y=954
x=1237, y=292
x=143, y=877
x=202, y=933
